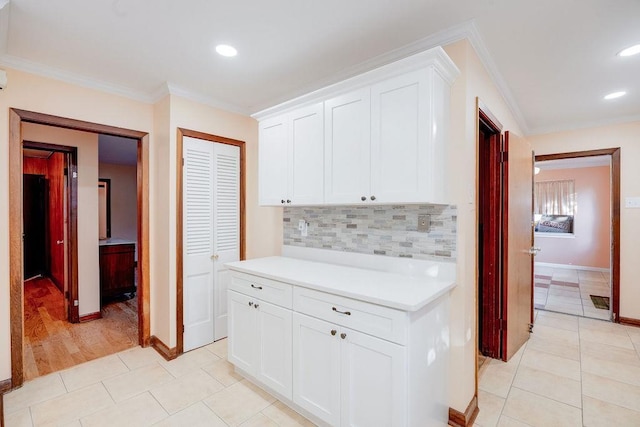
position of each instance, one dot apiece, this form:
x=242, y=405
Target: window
x=554, y=206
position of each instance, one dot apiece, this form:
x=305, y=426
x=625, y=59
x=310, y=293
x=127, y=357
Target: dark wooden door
x=489, y=239
x=517, y=225
x=34, y=213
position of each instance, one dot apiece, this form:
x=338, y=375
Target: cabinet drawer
x=272, y=291
x=383, y=322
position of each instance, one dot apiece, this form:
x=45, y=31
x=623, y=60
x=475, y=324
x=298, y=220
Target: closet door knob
x=288, y=201
x=333, y=332
x=373, y=197
x=343, y=335
x=363, y=198
x=282, y=201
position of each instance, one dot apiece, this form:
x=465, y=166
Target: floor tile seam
x=606, y=400
x=550, y=398
x=608, y=343
x=168, y=414
x=216, y=414
x=216, y=380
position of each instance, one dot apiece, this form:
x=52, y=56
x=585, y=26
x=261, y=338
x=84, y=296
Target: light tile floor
x=573, y=371
x=568, y=291
x=138, y=387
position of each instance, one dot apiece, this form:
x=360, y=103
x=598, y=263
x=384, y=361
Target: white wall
x=124, y=199
x=88, y=255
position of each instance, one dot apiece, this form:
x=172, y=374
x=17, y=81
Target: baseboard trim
x=162, y=348
x=630, y=321
x=5, y=386
x=91, y=316
x=458, y=419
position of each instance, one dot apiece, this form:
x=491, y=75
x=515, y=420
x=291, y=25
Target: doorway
x=505, y=239
x=210, y=232
x=16, y=120
x=577, y=270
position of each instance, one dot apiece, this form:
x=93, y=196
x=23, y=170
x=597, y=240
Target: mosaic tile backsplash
x=379, y=230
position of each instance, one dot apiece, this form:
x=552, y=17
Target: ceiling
x=553, y=60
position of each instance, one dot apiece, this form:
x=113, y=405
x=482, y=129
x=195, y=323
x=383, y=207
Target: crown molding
x=31, y=67
x=478, y=44
x=567, y=127
x=205, y=100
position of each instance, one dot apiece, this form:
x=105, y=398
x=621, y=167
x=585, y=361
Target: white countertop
x=388, y=289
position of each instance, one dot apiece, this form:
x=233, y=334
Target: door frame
x=16, y=292
x=71, y=154
x=182, y=132
x=487, y=119
x=614, y=153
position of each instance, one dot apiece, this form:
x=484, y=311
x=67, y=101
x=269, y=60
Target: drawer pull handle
x=250, y=304
x=334, y=332
x=343, y=335
x=256, y=287
x=348, y=313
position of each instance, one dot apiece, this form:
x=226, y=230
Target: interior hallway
x=52, y=344
x=567, y=290
x=573, y=371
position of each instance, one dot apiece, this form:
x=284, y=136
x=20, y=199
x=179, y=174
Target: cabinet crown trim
x=435, y=57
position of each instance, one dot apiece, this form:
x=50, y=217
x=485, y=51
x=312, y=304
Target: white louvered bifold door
x=226, y=228
x=209, y=232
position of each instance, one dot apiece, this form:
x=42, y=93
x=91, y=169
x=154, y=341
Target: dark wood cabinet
x=117, y=269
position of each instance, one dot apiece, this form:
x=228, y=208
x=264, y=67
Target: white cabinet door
x=373, y=381
x=400, y=138
x=316, y=367
x=273, y=154
x=274, y=347
x=226, y=227
x=306, y=149
x=198, y=235
x=347, y=147
x=242, y=345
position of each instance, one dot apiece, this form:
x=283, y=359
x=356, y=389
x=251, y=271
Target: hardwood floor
x=52, y=344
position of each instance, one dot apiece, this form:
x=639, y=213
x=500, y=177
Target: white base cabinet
x=347, y=378
x=260, y=341
x=341, y=361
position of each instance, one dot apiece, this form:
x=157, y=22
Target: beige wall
x=473, y=82
x=44, y=95
x=589, y=245
x=88, y=265
x=627, y=137
x=124, y=199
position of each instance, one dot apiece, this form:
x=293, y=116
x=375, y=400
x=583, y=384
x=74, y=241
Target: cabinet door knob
x=288, y=201
x=250, y=304
x=282, y=201
x=343, y=335
x=256, y=287
x=373, y=197
x=363, y=198
x=214, y=257
x=256, y=305
x=348, y=313
x=333, y=332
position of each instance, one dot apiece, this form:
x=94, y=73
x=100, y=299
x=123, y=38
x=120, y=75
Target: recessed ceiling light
x=633, y=50
x=226, y=50
x=614, y=95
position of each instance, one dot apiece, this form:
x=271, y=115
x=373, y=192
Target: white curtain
x=555, y=197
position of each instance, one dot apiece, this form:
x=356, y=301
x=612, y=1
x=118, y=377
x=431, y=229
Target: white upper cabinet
x=273, y=160
x=290, y=158
x=400, y=143
x=347, y=161
x=306, y=148
x=384, y=135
